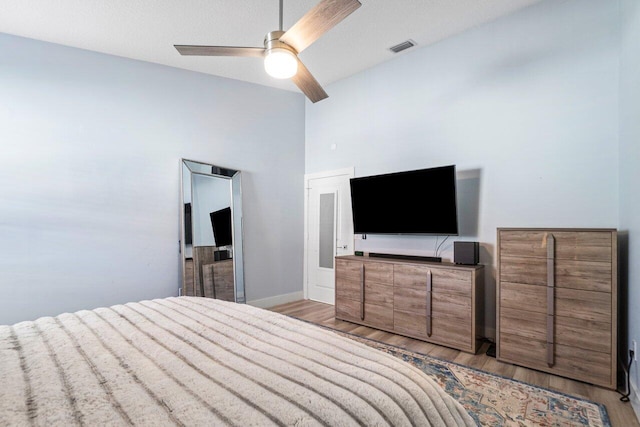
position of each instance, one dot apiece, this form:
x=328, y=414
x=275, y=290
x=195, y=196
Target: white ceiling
x=148, y=29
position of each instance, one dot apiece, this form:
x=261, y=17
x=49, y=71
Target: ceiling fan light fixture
x=280, y=63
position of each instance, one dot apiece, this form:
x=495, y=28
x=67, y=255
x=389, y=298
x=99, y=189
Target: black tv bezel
x=417, y=233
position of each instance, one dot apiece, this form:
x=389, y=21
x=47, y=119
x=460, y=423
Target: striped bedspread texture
x=197, y=361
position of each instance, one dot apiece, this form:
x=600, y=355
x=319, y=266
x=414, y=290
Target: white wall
x=90, y=149
x=630, y=177
x=526, y=107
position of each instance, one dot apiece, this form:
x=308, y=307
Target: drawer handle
x=362, y=292
x=429, y=303
x=551, y=283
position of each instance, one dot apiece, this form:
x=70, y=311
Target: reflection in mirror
x=211, y=224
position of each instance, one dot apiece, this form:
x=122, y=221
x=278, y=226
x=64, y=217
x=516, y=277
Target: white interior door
x=329, y=231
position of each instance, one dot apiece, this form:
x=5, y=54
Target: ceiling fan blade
x=257, y=52
x=308, y=84
x=323, y=17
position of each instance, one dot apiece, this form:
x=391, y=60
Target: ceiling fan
x=281, y=48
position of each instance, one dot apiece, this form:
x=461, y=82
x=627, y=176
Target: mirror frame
x=235, y=182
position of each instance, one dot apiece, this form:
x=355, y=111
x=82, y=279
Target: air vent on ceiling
x=402, y=46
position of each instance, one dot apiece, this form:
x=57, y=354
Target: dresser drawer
x=449, y=331
x=376, y=293
x=378, y=316
x=526, y=324
x=378, y=272
x=586, y=275
x=378, y=280
x=452, y=332
x=350, y=269
x=373, y=271
x=442, y=280
x=584, y=334
x=348, y=309
x=410, y=323
x=581, y=364
x=586, y=305
x=348, y=287
x=451, y=306
x=581, y=245
x=412, y=299
x=527, y=298
x=568, y=331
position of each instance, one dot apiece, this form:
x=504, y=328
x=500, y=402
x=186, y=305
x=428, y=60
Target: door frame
x=350, y=173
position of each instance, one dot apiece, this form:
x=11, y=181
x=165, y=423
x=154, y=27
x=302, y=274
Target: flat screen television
x=221, y=223
x=413, y=202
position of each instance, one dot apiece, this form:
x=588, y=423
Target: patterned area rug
x=493, y=400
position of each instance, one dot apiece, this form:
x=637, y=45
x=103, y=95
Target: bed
x=199, y=361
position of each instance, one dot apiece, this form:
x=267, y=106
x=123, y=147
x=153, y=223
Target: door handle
x=362, y=292
x=551, y=284
x=342, y=247
x=429, y=308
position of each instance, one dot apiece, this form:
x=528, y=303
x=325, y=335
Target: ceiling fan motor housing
x=272, y=40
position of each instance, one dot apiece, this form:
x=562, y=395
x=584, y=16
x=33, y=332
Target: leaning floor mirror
x=211, y=228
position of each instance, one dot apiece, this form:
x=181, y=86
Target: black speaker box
x=466, y=253
x=221, y=255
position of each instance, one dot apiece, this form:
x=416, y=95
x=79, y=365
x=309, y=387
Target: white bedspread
x=197, y=361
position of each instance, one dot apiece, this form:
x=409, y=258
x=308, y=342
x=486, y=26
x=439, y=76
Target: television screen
x=221, y=223
x=413, y=202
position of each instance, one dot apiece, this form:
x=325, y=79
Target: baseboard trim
x=277, y=300
x=634, y=399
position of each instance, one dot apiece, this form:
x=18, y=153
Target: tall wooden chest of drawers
x=435, y=302
x=557, y=301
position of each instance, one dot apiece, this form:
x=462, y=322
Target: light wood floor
x=621, y=414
